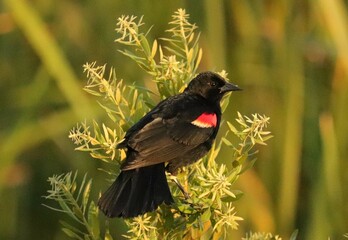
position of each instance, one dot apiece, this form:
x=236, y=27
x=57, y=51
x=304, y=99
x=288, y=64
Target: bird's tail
x=136, y=192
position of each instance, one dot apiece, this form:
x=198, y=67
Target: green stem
x=76, y=207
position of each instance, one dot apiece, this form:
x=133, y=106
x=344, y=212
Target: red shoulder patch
x=206, y=120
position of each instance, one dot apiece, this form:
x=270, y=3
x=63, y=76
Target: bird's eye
x=213, y=84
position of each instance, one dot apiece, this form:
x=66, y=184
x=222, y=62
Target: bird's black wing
x=170, y=132
x=138, y=126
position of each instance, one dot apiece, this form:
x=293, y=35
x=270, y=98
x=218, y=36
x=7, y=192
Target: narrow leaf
x=71, y=234
x=154, y=49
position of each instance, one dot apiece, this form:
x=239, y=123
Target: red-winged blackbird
x=178, y=131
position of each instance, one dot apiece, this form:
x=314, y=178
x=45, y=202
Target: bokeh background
x=289, y=56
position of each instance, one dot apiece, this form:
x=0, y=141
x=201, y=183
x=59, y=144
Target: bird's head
x=210, y=86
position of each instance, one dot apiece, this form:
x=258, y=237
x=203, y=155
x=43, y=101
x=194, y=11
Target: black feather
x=164, y=135
x=135, y=192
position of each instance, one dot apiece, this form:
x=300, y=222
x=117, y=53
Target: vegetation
x=210, y=211
x=288, y=56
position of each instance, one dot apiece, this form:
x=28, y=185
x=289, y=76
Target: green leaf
x=174, y=52
x=81, y=187
x=72, y=228
x=185, y=208
x=71, y=234
x=267, y=138
x=132, y=56
x=107, y=235
x=64, y=206
x=77, y=212
x=93, y=218
x=145, y=45
x=154, y=49
x=238, y=194
x=232, y=128
x=198, y=60
x=85, y=197
x=206, y=215
x=294, y=235
x=226, y=142
x=249, y=165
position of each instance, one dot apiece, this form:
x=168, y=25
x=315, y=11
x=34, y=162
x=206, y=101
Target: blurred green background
x=290, y=57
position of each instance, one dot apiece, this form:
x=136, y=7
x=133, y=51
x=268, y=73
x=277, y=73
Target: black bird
x=177, y=132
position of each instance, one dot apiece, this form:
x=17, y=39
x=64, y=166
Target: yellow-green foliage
x=209, y=212
x=290, y=57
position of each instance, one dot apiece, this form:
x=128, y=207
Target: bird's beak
x=228, y=87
